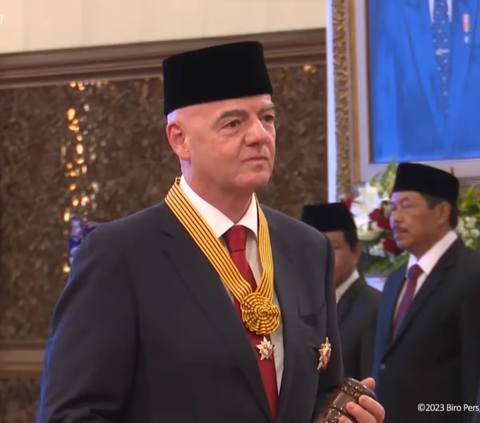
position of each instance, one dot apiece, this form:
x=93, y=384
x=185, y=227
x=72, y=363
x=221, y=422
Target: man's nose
x=256, y=133
x=395, y=217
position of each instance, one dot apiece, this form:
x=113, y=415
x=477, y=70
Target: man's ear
x=443, y=211
x=177, y=139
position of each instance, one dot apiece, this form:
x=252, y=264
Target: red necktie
x=413, y=274
x=236, y=240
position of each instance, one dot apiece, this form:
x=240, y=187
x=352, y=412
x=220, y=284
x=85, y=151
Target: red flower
x=390, y=246
x=348, y=201
x=375, y=215
x=383, y=223
x=378, y=216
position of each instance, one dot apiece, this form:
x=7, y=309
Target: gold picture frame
x=348, y=21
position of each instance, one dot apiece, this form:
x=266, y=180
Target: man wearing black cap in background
x=427, y=346
x=357, y=302
x=206, y=307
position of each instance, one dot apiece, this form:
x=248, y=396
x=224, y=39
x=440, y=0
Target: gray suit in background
x=357, y=319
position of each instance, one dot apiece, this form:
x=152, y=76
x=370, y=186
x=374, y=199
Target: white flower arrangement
x=370, y=209
x=368, y=200
x=467, y=229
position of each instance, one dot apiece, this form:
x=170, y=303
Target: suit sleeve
x=90, y=355
x=331, y=378
x=470, y=344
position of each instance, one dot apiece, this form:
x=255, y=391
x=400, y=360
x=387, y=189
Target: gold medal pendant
x=259, y=315
x=265, y=349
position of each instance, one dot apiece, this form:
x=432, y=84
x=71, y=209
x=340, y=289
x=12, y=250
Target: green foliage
x=469, y=203
x=385, y=180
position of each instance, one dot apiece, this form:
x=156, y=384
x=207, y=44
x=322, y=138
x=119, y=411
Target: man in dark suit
x=424, y=79
x=357, y=302
x=206, y=307
x=427, y=344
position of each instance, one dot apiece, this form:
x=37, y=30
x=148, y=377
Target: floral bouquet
x=469, y=218
x=371, y=211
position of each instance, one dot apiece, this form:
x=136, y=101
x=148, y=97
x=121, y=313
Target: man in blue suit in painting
x=424, y=79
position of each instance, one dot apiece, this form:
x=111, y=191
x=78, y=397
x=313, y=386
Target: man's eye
x=269, y=118
x=233, y=124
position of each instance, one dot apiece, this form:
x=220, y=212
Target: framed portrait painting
x=407, y=85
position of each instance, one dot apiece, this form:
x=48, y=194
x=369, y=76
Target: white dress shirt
x=431, y=6
x=220, y=224
x=347, y=284
x=427, y=262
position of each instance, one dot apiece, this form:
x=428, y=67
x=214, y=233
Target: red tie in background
x=236, y=240
x=413, y=274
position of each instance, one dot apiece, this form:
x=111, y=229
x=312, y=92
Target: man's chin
x=403, y=244
x=261, y=182
x=255, y=181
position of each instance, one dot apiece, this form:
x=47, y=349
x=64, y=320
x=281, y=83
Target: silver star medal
x=265, y=349
x=325, y=351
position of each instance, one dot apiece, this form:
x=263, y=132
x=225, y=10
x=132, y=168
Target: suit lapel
x=345, y=303
x=433, y=281
x=342, y=309
x=207, y=288
x=460, y=59
x=419, y=26
x=390, y=298
x=285, y=277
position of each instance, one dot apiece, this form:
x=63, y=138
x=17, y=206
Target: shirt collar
x=215, y=218
x=428, y=261
x=340, y=291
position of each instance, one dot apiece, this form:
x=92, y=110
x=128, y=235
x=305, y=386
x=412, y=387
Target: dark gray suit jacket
x=145, y=331
x=435, y=358
x=357, y=319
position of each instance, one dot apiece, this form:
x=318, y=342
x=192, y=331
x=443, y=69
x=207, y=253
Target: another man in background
x=357, y=302
x=206, y=307
x=427, y=346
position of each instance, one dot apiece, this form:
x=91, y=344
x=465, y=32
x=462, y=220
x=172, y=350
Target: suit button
x=382, y=366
